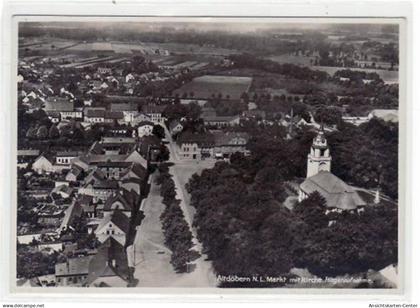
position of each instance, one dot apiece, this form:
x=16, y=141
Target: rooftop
x=335, y=191
x=73, y=267
x=153, y=108
x=58, y=104
x=123, y=107
x=111, y=260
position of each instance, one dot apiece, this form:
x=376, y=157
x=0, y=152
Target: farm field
x=194, y=49
x=49, y=47
x=145, y=48
x=205, y=86
x=93, y=61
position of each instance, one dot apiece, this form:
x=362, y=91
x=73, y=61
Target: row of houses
x=213, y=144
x=59, y=108
x=107, y=151
x=107, y=267
x=106, y=186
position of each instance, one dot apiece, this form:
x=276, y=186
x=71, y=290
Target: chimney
x=68, y=265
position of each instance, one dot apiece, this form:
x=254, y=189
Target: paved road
x=151, y=258
x=181, y=172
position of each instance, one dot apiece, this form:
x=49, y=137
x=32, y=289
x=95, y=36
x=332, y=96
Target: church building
x=319, y=178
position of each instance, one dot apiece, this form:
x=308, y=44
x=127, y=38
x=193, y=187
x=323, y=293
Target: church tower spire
x=319, y=157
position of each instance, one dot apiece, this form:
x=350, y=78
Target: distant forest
x=259, y=43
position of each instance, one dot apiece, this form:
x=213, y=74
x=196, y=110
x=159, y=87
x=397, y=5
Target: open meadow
x=208, y=85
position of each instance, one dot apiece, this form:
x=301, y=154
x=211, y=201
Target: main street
x=181, y=172
x=149, y=254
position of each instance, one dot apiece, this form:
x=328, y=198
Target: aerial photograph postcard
x=207, y=153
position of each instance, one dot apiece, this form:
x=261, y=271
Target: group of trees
x=226, y=107
x=353, y=243
x=25, y=212
x=35, y=130
x=246, y=231
x=178, y=236
x=367, y=155
x=263, y=43
x=176, y=111
x=362, y=92
x=32, y=263
x=73, y=132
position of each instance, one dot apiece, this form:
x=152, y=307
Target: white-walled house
x=94, y=115
x=115, y=225
x=65, y=158
x=135, y=157
x=43, y=165
x=175, y=127
x=145, y=128
x=155, y=113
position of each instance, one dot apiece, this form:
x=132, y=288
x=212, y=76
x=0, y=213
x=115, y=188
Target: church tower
x=319, y=158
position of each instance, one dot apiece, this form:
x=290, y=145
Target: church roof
x=335, y=191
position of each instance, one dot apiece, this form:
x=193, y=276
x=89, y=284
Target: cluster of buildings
x=60, y=109
x=388, y=115
x=212, y=144
x=101, y=188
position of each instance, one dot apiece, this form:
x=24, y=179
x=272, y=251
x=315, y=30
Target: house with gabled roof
x=43, y=165
x=134, y=171
x=175, y=127
x=65, y=157
x=115, y=225
x=99, y=189
x=191, y=145
x=113, y=169
x=129, y=110
x=227, y=143
x=94, y=114
x=135, y=157
x=63, y=190
x=75, y=174
x=145, y=128
x=117, y=201
x=221, y=121
x=121, y=200
x=109, y=267
x=73, y=272
x=73, y=212
x=62, y=105
x=94, y=175
x=25, y=157
x=388, y=115
x=155, y=113
x=114, y=116
x=134, y=178
x=335, y=191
